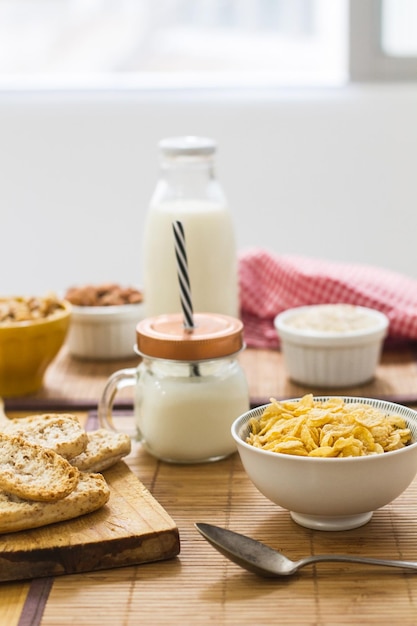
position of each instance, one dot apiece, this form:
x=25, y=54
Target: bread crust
x=61, y=432
x=91, y=493
x=33, y=472
x=103, y=450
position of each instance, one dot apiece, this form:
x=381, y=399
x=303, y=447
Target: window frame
x=367, y=60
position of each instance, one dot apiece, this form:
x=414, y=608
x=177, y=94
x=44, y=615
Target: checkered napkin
x=270, y=284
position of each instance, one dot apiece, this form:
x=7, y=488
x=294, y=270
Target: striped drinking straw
x=183, y=277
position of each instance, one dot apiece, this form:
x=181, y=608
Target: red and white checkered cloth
x=270, y=284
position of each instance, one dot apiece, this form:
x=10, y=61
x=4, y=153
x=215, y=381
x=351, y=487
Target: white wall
x=325, y=173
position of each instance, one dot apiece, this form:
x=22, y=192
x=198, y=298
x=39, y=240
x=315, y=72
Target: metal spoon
x=260, y=559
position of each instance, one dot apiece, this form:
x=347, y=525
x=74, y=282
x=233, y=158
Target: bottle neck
x=189, y=177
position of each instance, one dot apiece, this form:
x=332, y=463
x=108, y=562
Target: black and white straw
x=183, y=277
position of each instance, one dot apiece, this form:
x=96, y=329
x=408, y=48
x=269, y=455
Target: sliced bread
x=103, y=450
x=91, y=493
x=61, y=432
x=33, y=472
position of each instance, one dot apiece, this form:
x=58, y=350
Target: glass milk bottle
x=189, y=191
x=189, y=387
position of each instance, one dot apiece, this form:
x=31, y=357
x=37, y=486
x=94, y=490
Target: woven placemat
x=77, y=385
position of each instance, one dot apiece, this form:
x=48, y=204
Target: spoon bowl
x=264, y=561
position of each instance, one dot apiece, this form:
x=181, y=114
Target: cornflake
x=330, y=428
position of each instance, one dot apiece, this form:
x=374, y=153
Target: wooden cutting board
x=132, y=528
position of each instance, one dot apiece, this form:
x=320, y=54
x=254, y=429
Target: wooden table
x=200, y=586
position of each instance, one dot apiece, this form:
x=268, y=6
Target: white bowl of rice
x=331, y=345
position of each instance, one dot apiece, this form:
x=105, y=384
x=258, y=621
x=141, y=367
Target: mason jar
x=189, y=387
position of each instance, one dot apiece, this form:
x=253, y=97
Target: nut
x=20, y=309
x=106, y=294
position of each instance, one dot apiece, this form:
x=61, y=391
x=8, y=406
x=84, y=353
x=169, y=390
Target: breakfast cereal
x=329, y=428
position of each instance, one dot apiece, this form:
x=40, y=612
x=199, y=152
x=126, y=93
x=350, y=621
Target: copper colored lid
x=213, y=336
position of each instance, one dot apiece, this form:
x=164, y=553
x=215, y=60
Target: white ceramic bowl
x=104, y=332
x=330, y=493
x=336, y=357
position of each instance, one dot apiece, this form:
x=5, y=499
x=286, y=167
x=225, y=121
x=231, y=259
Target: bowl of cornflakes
x=330, y=461
x=32, y=332
x=331, y=345
x=104, y=319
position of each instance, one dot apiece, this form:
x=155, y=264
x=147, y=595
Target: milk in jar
x=189, y=387
x=188, y=191
x=184, y=417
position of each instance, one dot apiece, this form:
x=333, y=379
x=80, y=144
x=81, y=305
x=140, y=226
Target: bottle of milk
x=188, y=191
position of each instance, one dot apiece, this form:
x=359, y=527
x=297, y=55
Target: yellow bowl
x=28, y=348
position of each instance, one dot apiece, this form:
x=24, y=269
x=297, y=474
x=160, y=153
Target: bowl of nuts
x=32, y=332
x=103, y=321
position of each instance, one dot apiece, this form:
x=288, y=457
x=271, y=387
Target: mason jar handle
x=117, y=381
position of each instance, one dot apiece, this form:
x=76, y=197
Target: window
x=173, y=42
x=399, y=28
x=205, y=43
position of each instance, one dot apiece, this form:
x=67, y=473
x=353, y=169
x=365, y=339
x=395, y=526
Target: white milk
x=187, y=419
x=211, y=252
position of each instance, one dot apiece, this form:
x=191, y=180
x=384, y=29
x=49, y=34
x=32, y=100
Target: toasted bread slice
x=33, y=472
x=103, y=450
x=62, y=433
x=91, y=493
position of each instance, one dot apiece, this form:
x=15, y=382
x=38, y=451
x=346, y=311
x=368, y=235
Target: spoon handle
x=356, y=559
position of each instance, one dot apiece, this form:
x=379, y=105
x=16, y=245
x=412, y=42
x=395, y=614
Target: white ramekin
x=104, y=332
x=331, y=359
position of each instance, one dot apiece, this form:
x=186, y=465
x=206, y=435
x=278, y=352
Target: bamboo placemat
x=201, y=586
x=395, y=379
x=76, y=384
